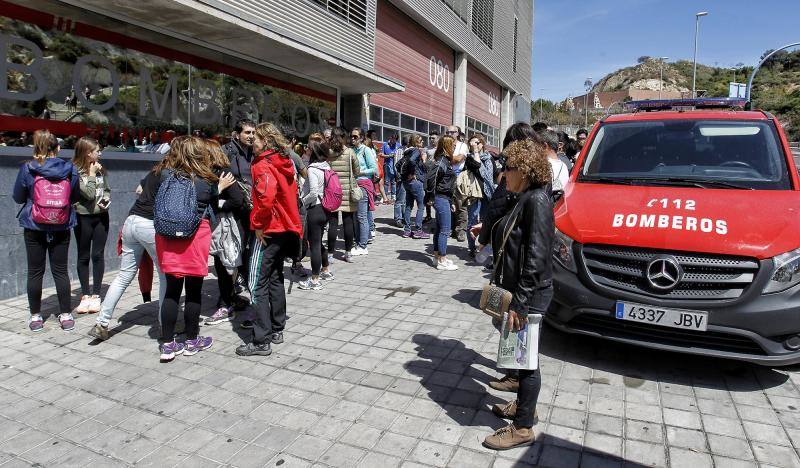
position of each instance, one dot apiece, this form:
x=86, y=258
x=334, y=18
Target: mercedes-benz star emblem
x=664, y=273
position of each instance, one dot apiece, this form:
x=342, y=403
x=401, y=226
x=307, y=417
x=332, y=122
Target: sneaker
x=327, y=276
x=95, y=304
x=223, y=314
x=399, y=223
x=446, y=266
x=276, y=338
x=67, y=321
x=506, y=384
x=310, y=284
x=36, y=323
x=99, y=331
x=299, y=271
x=348, y=256
x=170, y=350
x=370, y=240
x=358, y=251
x=83, y=307
x=420, y=235
x=373, y=233
x=253, y=349
x=406, y=234
x=247, y=325
x=510, y=437
x=198, y=344
x=462, y=236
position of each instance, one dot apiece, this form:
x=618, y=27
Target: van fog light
x=792, y=343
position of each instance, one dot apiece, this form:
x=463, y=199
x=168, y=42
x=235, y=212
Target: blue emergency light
x=696, y=103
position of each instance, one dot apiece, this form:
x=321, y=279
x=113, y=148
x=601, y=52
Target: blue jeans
x=362, y=234
x=473, y=213
x=443, y=223
x=388, y=180
x=414, y=193
x=400, y=203
x=138, y=237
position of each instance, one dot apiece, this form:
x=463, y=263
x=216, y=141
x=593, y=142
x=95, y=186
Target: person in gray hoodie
x=317, y=217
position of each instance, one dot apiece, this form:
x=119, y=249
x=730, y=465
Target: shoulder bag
x=495, y=301
x=355, y=190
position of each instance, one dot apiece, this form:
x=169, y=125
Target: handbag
x=495, y=301
x=355, y=191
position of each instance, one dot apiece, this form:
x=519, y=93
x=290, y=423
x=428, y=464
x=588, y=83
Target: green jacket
x=93, y=189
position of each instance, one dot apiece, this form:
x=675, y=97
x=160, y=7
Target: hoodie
x=275, y=207
x=314, y=187
x=53, y=169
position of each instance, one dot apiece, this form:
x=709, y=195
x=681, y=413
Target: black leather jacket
x=526, y=265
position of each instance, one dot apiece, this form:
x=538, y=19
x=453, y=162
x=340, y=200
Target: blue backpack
x=175, y=212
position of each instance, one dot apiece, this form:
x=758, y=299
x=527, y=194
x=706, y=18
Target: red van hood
x=757, y=223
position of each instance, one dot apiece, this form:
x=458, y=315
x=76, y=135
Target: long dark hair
x=338, y=140
x=319, y=148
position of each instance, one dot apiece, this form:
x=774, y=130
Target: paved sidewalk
x=386, y=367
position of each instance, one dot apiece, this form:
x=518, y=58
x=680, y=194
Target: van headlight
x=562, y=251
x=786, y=272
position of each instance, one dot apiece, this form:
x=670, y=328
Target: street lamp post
x=661, y=75
x=541, y=98
x=696, y=32
x=588, y=85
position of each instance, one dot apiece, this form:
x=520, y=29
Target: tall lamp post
x=696, y=32
x=588, y=85
x=541, y=98
x=661, y=75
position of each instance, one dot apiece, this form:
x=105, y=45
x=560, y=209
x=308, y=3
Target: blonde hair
x=271, y=136
x=45, y=145
x=83, y=147
x=188, y=155
x=530, y=159
x=416, y=141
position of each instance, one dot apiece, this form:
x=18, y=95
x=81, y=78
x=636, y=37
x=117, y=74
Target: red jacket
x=274, y=195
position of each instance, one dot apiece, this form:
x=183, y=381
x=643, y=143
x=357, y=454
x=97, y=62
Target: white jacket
x=314, y=185
x=560, y=174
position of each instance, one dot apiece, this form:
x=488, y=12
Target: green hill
x=776, y=88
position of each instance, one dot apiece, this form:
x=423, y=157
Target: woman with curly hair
x=276, y=221
x=525, y=269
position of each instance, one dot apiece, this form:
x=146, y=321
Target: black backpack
x=404, y=168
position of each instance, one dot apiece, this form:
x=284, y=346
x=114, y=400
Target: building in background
x=133, y=74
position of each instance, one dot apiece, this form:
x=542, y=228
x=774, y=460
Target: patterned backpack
x=175, y=211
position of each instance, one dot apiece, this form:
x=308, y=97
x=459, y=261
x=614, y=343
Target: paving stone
x=730, y=447
x=687, y=419
x=775, y=455
x=604, y=425
x=559, y=457
x=431, y=453
x=681, y=457
x=252, y=456
x=396, y=444
x=686, y=438
x=361, y=435
x=341, y=455
x=645, y=453
x=644, y=431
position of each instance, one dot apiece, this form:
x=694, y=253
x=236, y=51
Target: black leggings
x=317, y=219
x=348, y=226
x=91, y=234
x=225, y=284
x=191, y=309
x=39, y=245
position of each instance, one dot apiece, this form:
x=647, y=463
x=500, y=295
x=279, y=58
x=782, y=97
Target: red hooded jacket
x=274, y=195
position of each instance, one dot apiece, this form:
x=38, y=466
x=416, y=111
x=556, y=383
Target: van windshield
x=704, y=153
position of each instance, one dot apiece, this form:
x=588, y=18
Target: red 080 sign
x=439, y=74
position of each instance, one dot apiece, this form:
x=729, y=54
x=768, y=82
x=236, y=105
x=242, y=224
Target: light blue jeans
x=362, y=234
x=138, y=236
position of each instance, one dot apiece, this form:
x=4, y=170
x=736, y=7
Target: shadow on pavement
x=452, y=375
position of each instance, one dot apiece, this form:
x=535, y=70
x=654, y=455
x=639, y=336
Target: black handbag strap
x=510, y=223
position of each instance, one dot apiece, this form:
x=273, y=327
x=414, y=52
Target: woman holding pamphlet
x=522, y=241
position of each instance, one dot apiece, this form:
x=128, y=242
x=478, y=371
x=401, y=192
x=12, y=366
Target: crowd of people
x=255, y=203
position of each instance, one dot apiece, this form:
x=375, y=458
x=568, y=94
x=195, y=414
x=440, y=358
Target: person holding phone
x=91, y=232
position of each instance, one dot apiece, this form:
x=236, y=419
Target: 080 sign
x=439, y=74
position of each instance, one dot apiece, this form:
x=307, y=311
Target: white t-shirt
x=560, y=174
x=461, y=148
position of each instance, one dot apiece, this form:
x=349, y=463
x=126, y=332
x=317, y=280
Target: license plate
x=675, y=318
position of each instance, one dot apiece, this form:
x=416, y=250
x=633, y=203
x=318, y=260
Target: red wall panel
x=406, y=51
x=483, y=97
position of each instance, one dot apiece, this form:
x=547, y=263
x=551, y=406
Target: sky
x=576, y=39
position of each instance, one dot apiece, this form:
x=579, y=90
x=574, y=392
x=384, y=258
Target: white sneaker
x=446, y=266
x=358, y=251
x=348, y=256
x=310, y=284
x=83, y=307
x=95, y=304
x=373, y=234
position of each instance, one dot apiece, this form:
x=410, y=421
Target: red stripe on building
x=483, y=97
x=406, y=51
x=30, y=124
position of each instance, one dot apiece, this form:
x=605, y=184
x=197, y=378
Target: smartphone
x=104, y=203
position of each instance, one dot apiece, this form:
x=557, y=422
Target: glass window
x=375, y=113
x=407, y=121
x=391, y=117
x=422, y=126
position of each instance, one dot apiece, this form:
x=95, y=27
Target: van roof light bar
x=696, y=103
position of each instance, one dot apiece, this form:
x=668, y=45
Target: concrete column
x=460, y=90
x=506, y=113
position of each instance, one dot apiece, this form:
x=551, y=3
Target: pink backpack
x=332, y=193
x=50, y=201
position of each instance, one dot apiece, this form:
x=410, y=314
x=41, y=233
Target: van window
x=744, y=154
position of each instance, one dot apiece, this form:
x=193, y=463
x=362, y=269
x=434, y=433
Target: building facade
x=133, y=74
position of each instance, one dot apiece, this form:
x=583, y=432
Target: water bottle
x=484, y=254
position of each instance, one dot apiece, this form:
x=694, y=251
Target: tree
x=643, y=58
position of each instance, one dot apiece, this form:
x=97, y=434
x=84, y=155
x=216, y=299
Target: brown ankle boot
x=509, y=411
x=510, y=437
x=506, y=384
